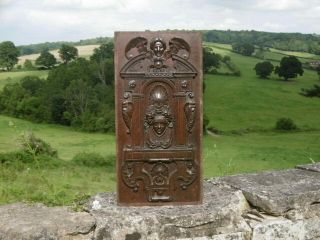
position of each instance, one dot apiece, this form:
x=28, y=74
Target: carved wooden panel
x=158, y=117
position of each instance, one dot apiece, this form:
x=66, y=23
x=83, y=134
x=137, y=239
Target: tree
x=103, y=52
x=245, y=49
x=103, y=58
x=210, y=59
x=68, y=53
x=8, y=55
x=264, y=69
x=46, y=59
x=289, y=67
x=28, y=64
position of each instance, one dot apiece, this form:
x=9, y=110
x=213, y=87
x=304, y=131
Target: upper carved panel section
x=158, y=59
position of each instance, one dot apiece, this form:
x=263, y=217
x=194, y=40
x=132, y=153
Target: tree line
x=283, y=41
x=77, y=93
x=38, y=47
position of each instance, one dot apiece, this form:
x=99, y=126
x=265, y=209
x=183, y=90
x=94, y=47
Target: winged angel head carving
x=157, y=48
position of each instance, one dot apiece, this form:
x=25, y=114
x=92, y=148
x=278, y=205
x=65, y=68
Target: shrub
x=17, y=156
x=91, y=159
x=312, y=92
x=285, y=124
x=36, y=146
x=264, y=69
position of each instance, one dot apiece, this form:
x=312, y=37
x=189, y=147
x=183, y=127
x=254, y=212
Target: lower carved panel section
x=159, y=178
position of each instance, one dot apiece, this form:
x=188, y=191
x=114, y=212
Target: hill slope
x=233, y=103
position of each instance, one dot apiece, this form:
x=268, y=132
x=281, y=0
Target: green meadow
x=243, y=111
x=12, y=77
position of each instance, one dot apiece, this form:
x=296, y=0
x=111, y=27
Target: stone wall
x=266, y=206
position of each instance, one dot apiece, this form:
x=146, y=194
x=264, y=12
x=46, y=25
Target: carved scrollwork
x=128, y=176
x=127, y=110
x=190, y=174
x=158, y=177
x=190, y=111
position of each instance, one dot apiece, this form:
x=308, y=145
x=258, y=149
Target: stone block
x=219, y=214
x=284, y=229
x=315, y=167
x=277, y=192
x=230, y=236
x=29, y=222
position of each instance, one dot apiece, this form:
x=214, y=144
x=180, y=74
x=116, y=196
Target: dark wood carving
x=159, y=117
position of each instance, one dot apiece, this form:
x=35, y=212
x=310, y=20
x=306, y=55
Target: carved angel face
x=158, y=48
x=159, y=124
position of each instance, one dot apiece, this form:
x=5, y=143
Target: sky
x=35, y=21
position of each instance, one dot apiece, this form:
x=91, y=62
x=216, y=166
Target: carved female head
x=159, y=124
x=158, y=46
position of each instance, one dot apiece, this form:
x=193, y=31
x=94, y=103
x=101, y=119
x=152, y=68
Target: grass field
x=244, y=108
x=83, y=51
x=272, y=54
x=234, y=103
x=297, y=54
x=12, y=77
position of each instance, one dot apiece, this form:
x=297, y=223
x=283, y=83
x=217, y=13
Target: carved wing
x=135, y=47
x=179, y=47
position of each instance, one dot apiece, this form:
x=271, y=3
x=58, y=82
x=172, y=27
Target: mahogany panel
x=159, y=117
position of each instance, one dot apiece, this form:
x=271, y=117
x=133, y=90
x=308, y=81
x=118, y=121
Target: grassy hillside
x=223, y=154
x=234, y=103
x=67, y=141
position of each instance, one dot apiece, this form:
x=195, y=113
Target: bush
x=312, y=92
x=264, y=69
x=17, y=156
x=286, y=124
x=36, y=146
x=91, y=159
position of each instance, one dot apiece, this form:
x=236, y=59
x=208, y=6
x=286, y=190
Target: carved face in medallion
x=159, y=124
x=158, y=47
